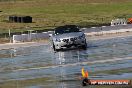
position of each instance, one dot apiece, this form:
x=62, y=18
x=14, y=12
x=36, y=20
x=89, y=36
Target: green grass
x=44, y=81
x=53, y=13
x=23, y=83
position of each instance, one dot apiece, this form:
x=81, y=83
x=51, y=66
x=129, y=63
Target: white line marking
x=74, y=64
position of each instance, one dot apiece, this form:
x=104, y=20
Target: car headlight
x=57, y=40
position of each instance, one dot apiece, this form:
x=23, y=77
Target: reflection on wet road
x=62, y=69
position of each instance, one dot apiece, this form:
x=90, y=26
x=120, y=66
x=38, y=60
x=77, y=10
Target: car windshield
x=66, y=29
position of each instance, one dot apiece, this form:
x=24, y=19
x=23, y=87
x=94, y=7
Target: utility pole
x=10, y=35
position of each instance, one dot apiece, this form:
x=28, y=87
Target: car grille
x=71, y=39
x=65, y=40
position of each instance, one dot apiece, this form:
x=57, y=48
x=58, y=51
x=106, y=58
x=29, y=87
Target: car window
x=66, y=29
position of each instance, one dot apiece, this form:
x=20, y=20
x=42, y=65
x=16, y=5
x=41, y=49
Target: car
x=68, y=36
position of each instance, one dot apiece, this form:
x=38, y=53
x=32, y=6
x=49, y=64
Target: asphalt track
x=79, y=63
x=64, y=67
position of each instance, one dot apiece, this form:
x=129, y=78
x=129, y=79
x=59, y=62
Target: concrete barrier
x=29, y=37
x=109, y=32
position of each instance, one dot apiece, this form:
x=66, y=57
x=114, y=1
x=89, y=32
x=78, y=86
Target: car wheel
x=55, y=48
x=84, y=47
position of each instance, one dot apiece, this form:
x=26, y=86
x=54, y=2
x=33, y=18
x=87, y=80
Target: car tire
x=84, y=46
x=55, y=48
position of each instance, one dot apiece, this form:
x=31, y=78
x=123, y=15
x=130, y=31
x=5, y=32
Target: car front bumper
x=70, y=44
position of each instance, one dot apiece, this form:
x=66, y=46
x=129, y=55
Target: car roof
x=66, y=26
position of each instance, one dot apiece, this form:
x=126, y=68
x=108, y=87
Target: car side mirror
x=83, y=29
